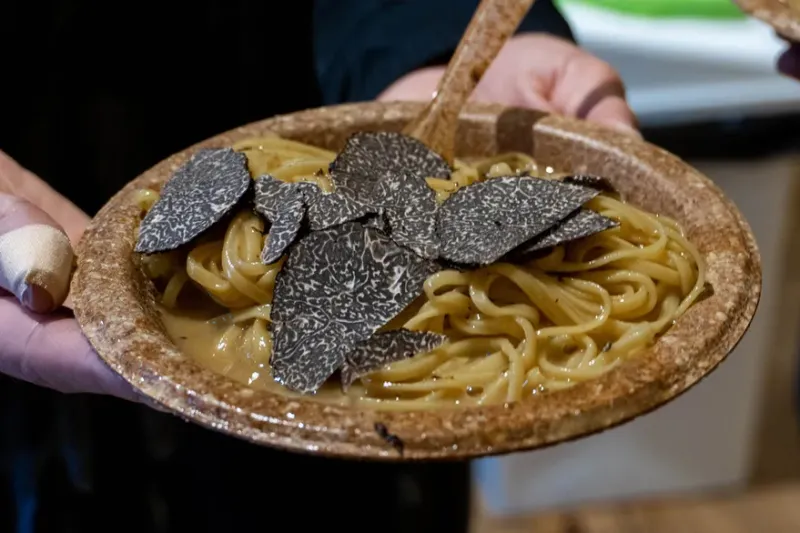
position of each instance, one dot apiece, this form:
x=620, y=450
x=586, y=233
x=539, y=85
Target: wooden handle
x=493, y=23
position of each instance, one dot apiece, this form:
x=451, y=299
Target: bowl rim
x=114, y=306
x=775, y=13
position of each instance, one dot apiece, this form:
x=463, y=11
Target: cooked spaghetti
x=514, y=330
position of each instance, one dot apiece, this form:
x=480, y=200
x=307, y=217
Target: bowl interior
x=115, y=305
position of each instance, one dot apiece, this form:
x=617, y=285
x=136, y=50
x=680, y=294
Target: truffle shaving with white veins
x=285, y=227
x=481, y=223
x=286, y=204
x=359, y=256
x=583, y=223
x=336, y=289
x=332, y=209
x=199, y=195
x=388, y=171
x=272, y=193
x=384, y=348
x=371, y=157
x=283, y=205
x=377, y=222
x=410, y=207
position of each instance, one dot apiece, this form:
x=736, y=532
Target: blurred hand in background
x=539, y=71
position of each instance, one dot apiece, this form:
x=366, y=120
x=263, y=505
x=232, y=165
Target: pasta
x=514, y=330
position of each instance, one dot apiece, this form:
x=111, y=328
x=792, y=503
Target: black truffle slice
x=481, y=223
x=273, y=194
x=595, y=182
x=336, y=289
x=285, y=227
x=323, y=210
x=328, y=210
x=388, y=171
x=410, y=207
x=582, y=223
x=198, y=195
x=384, y=348
x=369, y=158
x=283, y=204
x=377, y=221
x=270, y=195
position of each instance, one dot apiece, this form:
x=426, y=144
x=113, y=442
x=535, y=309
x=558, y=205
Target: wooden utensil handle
x=491, y=26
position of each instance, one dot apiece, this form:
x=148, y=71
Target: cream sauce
x=197, y=331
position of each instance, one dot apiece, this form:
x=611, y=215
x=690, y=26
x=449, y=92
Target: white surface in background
x=686, y=70
x=677, y=71
x=702, y=440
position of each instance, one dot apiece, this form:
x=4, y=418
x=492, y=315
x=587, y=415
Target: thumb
x=36, y=258
x=36, y=263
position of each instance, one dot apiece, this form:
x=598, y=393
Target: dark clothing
x=93, y=93
x=363, y=46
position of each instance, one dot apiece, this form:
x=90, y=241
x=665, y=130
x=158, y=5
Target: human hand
x=45, y=349
x=542, y=72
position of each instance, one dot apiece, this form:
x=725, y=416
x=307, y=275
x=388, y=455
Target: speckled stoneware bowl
x=776, y=13
x=114, y=303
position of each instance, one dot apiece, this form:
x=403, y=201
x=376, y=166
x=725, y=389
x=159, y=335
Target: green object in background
x=715, y=9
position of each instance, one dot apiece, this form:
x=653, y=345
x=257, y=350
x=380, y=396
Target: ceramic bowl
x=776, y=13
x=115, y=303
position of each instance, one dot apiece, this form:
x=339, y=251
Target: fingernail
x=37, y=299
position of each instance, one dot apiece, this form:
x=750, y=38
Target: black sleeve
x=362, y=46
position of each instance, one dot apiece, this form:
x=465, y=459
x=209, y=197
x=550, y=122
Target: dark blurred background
x=94, y=93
